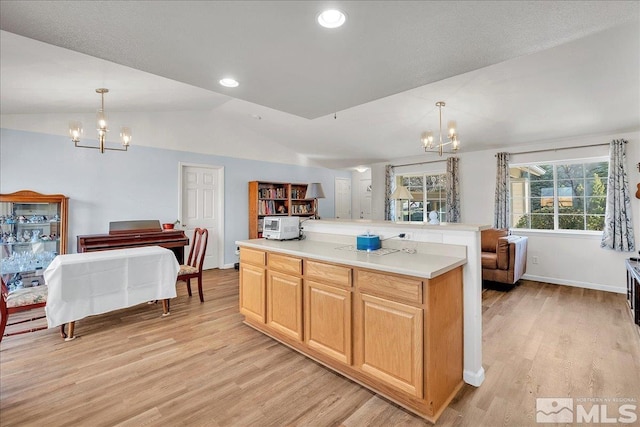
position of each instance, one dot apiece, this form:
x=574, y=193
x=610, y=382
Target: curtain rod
x=561, y=148
x=419, y=163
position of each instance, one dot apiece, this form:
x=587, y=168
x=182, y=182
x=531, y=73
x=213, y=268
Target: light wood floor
x=202, y=367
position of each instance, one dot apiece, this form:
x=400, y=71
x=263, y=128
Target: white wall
x=139, y=184
x=563, y=258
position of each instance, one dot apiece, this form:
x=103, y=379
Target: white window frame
x=556, y=229
x=399, y=203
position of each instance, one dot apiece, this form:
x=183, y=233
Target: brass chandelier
x=451, y=138
x=75, y=130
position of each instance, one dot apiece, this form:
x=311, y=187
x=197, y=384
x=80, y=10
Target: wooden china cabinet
x=33, y=230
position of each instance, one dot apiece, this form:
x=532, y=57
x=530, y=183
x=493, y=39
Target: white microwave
x=281, y=227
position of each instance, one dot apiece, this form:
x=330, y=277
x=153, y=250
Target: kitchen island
x=391, y=322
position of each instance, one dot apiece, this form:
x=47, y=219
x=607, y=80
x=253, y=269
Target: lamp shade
x=401, y=193
x=314, y=191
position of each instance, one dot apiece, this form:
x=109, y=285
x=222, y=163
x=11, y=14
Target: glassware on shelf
x=26, y=261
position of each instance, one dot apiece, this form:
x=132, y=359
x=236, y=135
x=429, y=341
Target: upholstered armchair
x=504, y=257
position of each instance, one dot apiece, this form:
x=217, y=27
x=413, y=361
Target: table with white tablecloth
x=91, y=283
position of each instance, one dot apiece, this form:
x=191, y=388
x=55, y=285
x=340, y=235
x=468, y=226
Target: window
x=567, y=195
x=428, y=190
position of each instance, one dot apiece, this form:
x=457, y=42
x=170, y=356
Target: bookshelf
x=273, y=199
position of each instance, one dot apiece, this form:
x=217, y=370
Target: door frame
x=219, y=208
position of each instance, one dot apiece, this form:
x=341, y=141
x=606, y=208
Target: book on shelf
x=297, y=193
x=271, y=207
x=272, y=193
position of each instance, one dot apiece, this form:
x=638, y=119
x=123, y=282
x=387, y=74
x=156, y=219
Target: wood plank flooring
x=202, y=367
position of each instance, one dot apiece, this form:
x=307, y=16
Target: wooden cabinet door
x=284, y=304
x=389, y=343
x=252, y=292
x=328, y=320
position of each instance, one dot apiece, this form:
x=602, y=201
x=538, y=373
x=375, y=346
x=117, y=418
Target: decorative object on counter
x=367, y=242
x=452, y=137
x=75, y=130
x=55, y=218
x=315, y=192
x=433, y=218
x=34, y=235
x=26, y=236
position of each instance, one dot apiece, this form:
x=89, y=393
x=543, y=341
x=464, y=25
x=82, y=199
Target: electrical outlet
x=535, y=259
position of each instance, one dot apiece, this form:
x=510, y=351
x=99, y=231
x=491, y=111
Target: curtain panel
x=618, y=224
x=453, y=190
x=388, y=205
x=501, y=212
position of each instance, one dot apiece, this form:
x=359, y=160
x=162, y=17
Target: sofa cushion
x=489, y=260
x=489, y=238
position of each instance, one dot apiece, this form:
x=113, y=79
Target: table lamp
x=401, y=193
x=315, y=192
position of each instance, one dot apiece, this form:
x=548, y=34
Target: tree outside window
x=559, y=196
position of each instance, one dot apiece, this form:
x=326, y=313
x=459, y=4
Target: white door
x=201, y=206
x=364, y=195
x=343, y=198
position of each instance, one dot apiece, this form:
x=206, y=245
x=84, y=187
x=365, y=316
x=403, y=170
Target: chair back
x=4, y=312
x=198, y=248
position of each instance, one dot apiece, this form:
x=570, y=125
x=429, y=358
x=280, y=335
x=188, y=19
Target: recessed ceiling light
x=229, y=82
x=332, y=18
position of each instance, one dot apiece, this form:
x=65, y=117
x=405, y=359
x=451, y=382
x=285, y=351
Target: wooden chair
x=193, y=268
x=21, y=300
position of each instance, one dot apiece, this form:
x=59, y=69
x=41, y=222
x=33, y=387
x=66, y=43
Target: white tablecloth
x=85, y=284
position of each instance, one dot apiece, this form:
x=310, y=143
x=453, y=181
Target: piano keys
x=133, y=234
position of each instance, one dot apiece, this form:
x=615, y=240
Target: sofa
x=504, y=256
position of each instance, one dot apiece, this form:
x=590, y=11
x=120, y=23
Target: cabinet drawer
x=335, y=274
x=284, y=263
x=390, y=285
x=252, y=256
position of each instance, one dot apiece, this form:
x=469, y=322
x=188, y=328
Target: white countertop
x=418, y=264
x=418, y=225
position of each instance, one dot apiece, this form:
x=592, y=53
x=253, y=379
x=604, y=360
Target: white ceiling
x=510, y=72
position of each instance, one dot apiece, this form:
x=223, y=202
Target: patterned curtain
x=618, y=226
x=389, y=213
x=501, y=215
x=453, y=190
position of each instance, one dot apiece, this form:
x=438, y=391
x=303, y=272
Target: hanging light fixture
x=451, y=138
x=75, y=130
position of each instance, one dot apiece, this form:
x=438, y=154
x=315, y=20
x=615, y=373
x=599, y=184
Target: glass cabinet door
x=33, y=230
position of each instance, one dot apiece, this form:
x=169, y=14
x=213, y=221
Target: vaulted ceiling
x=511, y=72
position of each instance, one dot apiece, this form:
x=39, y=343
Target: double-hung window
x=564, y=195
x=429, y=194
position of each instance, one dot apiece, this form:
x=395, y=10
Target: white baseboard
x=576, y=284
x=224, y=267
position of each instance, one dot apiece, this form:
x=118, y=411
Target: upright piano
x=132, y=234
